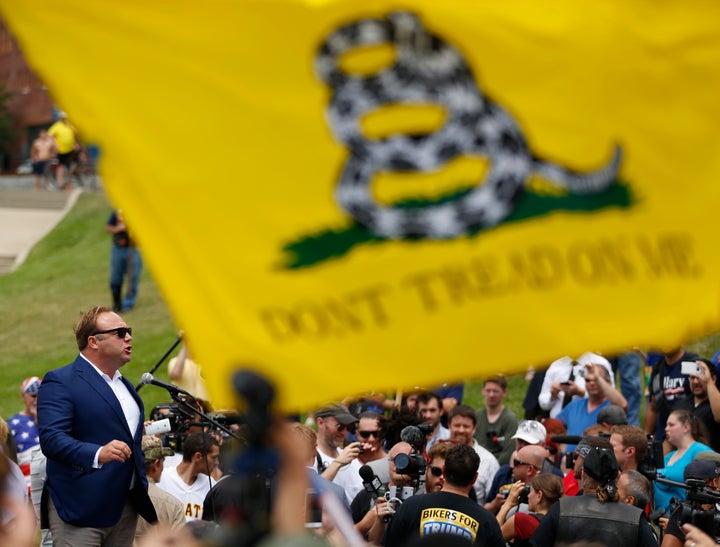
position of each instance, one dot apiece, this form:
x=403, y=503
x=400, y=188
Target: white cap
x=531, y=431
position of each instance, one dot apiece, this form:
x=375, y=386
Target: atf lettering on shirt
x=673, y=387
x=446, y=521
x=193, y=510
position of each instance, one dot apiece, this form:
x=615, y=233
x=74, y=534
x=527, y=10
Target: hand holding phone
x=690, y=368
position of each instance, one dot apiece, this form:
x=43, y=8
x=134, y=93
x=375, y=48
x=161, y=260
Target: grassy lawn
x=67, y=273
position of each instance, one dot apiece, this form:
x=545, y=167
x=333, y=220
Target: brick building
x=30, y=104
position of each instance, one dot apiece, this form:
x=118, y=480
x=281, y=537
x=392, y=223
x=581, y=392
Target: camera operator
x=703, y=470
x=539, y=494
x=527, y=464
x=449, y=511
x=596, y=517
x=366, y=503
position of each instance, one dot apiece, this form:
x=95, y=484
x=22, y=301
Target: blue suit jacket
x=77, y=414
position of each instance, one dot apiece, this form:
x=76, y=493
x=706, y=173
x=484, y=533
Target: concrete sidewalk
x=26, y=216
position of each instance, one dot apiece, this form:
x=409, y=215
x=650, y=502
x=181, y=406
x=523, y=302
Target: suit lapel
x=96, y=382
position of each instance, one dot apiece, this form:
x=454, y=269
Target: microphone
x=566, y=439
x=148, y=378
x=372, y=484
x=413, y=436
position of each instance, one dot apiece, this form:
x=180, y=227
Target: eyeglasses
x=436, y=471
x=121, y=332
x=518, y=463
x=341, y=427
x=368, y=434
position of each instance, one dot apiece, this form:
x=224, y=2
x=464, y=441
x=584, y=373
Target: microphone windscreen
x=412, y=435
x=366, y=473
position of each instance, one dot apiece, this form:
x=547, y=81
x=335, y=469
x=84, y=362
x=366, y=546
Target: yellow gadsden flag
x=365, y=195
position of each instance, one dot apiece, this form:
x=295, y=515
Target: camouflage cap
x=153, y=449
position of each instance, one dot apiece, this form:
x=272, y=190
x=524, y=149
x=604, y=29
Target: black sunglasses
x=367, y=434
x=436, y=471
x=121, y=332
x=517, y=462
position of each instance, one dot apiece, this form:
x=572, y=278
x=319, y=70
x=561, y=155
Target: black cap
x=701, y=469
x=601, y=465
x=337, y=412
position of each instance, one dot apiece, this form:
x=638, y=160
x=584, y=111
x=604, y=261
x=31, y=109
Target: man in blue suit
x=91, y=423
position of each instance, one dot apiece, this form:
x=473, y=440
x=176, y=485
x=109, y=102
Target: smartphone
x=690, y=368
x=313, y=509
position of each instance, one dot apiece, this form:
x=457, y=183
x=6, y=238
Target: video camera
x=412, y=465
x=182, y=420
x=179, y=424
x=653, y=459
x=691, y=510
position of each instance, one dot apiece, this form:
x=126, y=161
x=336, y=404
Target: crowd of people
x=369, y=471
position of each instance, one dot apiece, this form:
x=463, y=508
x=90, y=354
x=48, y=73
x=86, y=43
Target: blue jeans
x=119, y=258
x=629, y=366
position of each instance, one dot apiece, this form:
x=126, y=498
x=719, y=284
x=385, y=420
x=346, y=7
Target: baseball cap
x=531, y=432
x=701, y=469
x=601, y=465
x=30, y=385
x=153, y=449
x=708, y=455
x=613, y=415
x=582, y=449
x=337, y=412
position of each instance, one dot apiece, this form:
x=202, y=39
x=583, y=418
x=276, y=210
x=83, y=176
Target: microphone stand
x=162, y=359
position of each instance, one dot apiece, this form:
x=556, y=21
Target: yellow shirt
x=64, y=136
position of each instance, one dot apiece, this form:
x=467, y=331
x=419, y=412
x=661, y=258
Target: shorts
x=39, y=167
x=66, y=159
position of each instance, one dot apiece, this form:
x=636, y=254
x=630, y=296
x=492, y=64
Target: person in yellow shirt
x=186, y=374
x=66, y=142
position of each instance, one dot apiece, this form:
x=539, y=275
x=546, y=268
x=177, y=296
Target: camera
x=177, y=419
x=522, y=496
x=412, y=464
x=692, y=512
x=653, y=459
x=524, y=493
